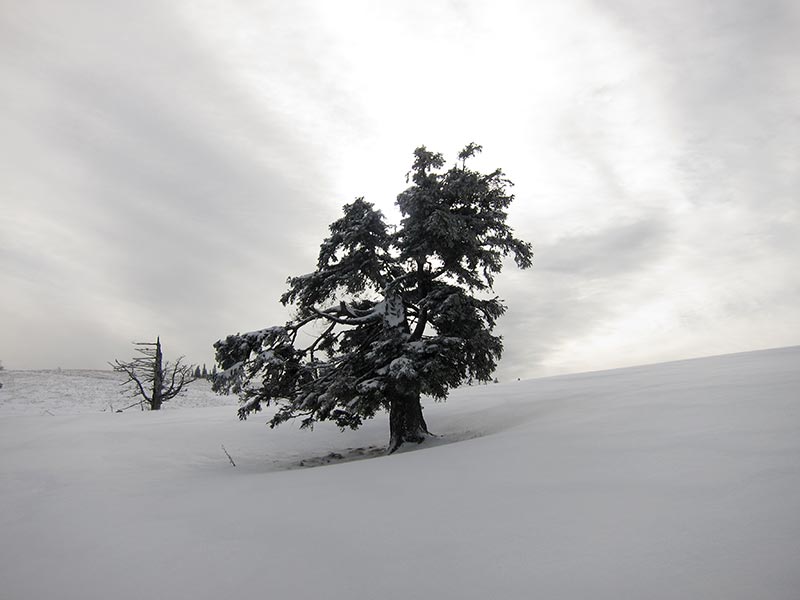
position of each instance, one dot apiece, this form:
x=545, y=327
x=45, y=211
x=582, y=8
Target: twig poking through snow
x=137, y=403
x=228, y=455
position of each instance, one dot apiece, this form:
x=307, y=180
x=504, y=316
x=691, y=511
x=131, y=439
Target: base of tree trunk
x=406, y=423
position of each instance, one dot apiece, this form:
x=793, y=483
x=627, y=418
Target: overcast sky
x=165, y=165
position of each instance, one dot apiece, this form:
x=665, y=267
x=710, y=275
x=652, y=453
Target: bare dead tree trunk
x=406, y=423
x=154, y=380
x=158, y=378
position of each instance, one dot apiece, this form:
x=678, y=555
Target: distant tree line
x=204, y=373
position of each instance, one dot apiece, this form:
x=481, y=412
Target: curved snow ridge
x=682, y=393
x=691, y=402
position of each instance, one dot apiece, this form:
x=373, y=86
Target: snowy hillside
x=63, y=392
x=672, y=481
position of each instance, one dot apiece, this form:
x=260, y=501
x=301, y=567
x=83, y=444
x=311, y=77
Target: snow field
x=678, y=480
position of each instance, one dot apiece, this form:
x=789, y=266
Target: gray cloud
x=620, y=248
x=167, y=165
x=578, y=283
x=731, y=73
x=140, y=186
x=718, y=257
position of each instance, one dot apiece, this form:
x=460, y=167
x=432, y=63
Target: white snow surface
x=672, y=481
x=74, y=391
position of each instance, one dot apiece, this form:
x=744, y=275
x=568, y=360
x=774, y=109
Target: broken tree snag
x=151, y=379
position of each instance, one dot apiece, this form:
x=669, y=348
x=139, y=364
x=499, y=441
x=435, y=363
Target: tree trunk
x=158, y=379
x=406, y=423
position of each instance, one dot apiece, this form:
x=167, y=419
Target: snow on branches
x=393, y=315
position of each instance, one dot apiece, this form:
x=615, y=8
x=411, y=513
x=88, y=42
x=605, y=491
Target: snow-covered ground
x=679, y=480
x=66, y=392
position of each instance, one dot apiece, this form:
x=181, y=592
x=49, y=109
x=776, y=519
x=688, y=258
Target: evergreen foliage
x=395, y=314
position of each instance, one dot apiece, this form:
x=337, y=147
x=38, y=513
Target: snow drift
x=676, y=480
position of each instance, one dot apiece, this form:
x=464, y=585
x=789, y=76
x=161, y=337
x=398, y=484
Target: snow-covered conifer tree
x=395, y=314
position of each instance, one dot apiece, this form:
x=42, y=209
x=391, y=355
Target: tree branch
x=128, y=369
x=330, y=314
